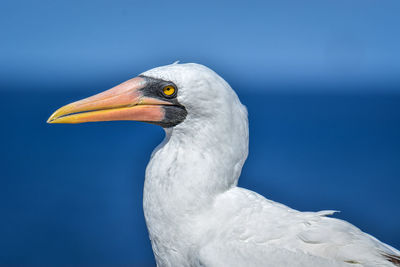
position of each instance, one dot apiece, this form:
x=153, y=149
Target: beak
x=122, y=102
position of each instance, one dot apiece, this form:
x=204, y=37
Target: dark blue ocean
x=72, y=194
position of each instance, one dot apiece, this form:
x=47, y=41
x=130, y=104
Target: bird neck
x=194, y=164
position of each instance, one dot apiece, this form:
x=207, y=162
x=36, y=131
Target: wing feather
x=255, y=230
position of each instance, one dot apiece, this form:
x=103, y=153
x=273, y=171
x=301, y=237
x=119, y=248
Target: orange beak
x=122, y=102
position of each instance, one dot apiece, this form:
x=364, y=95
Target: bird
x=195, y=212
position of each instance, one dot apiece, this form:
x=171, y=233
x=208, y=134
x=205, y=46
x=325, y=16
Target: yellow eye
x=169, y=90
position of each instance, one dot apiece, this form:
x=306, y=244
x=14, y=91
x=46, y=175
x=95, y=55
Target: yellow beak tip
x=52, y=118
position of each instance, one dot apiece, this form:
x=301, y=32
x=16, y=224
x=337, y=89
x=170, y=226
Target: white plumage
x=196, y=214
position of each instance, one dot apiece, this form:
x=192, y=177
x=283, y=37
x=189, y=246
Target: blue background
x=321, y=80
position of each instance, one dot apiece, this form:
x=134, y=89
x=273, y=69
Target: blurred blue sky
x=72, y=194
x=60, y=44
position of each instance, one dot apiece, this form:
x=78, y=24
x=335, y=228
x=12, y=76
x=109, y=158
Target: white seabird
x=195, y=212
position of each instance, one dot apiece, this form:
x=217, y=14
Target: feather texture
x=196, y=214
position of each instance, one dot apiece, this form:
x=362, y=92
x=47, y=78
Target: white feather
x=197, y=216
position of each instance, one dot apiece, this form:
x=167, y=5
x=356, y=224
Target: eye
x=169, y=90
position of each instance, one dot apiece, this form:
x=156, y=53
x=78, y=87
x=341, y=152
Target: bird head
x=196, y=107
x=166, y=96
